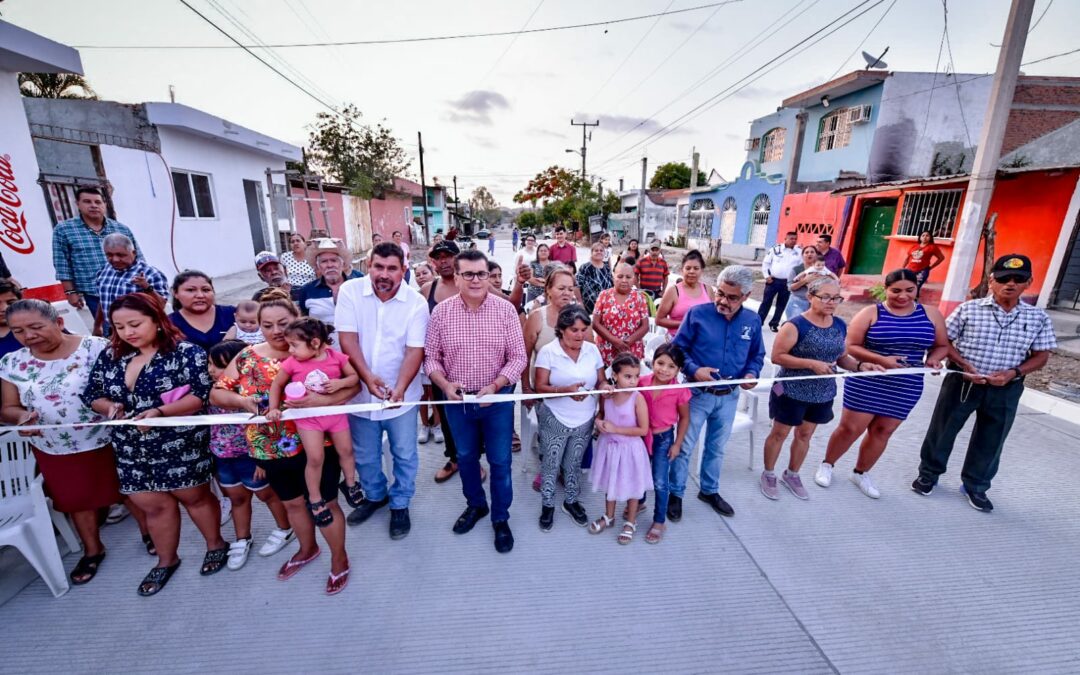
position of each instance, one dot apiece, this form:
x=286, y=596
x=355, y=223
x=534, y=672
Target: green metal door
x=871, y=243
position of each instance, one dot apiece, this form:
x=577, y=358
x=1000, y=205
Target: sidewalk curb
x=1050, y=405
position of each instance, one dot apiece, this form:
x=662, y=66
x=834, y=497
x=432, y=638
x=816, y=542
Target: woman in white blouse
x=295, y=262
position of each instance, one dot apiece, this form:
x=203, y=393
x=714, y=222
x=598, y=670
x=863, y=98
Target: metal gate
x=1067, y=292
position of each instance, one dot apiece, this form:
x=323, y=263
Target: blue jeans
x=92, y=304
x=716, y=414
x=661, y=467
x=491, y=429
x=367, y=436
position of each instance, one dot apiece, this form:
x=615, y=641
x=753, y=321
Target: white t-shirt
x=564, y=372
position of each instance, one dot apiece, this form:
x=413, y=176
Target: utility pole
x=641, y=198
x=584, y=128
x=694, y=159
x=983, y=170
x=457, y=207
x=423, y=187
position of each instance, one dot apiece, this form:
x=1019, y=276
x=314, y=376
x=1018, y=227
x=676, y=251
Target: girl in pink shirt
x=669, y=417
x=313, y=366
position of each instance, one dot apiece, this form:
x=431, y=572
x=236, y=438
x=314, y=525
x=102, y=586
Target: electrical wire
x=952, y=66
x=510, y=46
x=868, y=34
x=430, y=38
x=596, y=92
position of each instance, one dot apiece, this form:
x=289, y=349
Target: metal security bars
x=933, y=211
x=772, y=145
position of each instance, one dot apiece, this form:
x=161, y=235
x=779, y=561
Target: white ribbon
x=348, y=408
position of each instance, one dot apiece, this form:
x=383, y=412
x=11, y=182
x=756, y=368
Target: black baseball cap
x=1010, y=264
x=444, y=246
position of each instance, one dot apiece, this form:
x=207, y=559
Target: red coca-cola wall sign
x=13, y=232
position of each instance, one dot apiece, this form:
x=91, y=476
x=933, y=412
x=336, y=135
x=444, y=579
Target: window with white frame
x=834, y=130
x=772, y=145
x=701, y=219
x=933, y=211
x=194, y=195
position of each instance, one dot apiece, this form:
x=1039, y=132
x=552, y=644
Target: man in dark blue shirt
x=9, y=293
x=721, y=342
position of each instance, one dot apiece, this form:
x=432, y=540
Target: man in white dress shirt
x=776, y=267
x=381, y=325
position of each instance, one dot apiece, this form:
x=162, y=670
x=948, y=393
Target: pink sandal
x=336, y=583
x=291, y=567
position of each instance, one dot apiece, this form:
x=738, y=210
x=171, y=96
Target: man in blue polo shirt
x=721, y=342
x=332, y=261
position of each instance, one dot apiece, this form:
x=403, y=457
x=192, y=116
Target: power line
x=430, y=38
x=746, y=80
x=1052, y=56
x=952, y=64
x=261, y=59
x=510, y=46
x=633, y=49
x=868, y=34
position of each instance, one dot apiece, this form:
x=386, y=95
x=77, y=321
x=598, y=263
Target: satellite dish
x=875, y=61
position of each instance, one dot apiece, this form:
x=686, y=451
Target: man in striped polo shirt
x=652, y=271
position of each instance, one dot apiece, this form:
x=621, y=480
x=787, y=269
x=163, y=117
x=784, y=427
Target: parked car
x=483, y=234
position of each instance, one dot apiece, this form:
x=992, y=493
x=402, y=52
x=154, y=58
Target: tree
x=528, y=220
x=553, y=182
x=675, y=176
x=483, y=206
x=611, y=203
x=366, y=158
x=55, y=85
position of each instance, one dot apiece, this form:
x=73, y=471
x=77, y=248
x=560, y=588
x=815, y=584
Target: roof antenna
x=872, y=62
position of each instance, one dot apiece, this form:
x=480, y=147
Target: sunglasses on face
x=469, y=276
x=1011, y=278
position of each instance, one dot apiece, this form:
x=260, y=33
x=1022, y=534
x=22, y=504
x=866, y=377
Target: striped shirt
x=652, y=273
x=474, y=346
x=77, y=252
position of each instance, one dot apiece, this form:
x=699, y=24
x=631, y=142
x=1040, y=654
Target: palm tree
x=55, y=85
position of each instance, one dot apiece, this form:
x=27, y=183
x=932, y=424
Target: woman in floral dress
x=276, y=447
x=150, y=372
x=41, y=384
x=621, y=317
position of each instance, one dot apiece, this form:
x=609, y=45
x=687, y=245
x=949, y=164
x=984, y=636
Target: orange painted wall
x=899, y=246
x=810, y=207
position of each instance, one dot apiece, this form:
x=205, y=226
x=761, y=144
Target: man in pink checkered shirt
x=474, y=347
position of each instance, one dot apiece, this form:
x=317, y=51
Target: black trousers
x=449, y=449
x=995, y=410
x=778, y=290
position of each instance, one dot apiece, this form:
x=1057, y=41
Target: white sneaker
x=823, y=477
x=277, y=540
x=226, y=510
x=862, y=480
x=424, y=434
x=238, y=553
x=117, y=512
x=437, y=432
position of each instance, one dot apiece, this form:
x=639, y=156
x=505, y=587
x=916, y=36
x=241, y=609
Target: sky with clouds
x=496, y=110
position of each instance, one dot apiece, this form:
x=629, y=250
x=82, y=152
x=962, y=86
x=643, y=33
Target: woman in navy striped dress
x=897, y=333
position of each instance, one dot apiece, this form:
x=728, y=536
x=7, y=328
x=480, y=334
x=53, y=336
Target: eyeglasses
x=829, y=299
x=1011, y=278
x=469, y=276
x=730, y=298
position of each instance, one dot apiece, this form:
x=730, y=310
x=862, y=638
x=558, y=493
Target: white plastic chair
x=73, y=321
x=746, y=416
x=529, y=432
x=25, y=518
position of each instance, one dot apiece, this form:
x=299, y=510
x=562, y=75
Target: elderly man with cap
x=124, y=273
x=652, y=271
x=332, y=261
x=995, y=342
x=273, y=273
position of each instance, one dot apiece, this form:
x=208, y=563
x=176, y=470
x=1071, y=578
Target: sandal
x=627, y=534
x=86, y=568
x=291, y=567
x=149, y=543
x=446, y=473
x=353, y=495
x=600, y=524
x=655, y=533
x=321, y=513
x=213, y=561
x=336, y=583
x=156, y=579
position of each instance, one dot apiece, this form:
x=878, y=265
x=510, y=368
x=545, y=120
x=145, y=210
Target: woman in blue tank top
x=812, y=343
x=896, y=333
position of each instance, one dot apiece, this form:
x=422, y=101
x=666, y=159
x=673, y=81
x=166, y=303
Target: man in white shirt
x=381, y=325
x=776, y=267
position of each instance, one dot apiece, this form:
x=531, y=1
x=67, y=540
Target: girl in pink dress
x=313, y=366
x=621, y=463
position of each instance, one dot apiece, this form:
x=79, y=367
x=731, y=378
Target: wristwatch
x=1018, y=373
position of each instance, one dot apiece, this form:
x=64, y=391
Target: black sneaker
x=923, y=486
x=978, y=501
x=504, y=538
x=400, y=524
x=674, y=508
x=547, y=517
x=365, y=510
x=469, y=517
x=576, y=511
x=717, y=503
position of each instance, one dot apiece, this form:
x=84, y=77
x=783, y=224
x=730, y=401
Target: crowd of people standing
x=322, y=334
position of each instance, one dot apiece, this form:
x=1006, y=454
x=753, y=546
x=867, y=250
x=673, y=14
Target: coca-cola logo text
x=13, y=232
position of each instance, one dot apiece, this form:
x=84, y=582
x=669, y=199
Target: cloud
x=686, y=27
x=539, y=131
x=621, y=123
x=482, y=142
x=476, y=107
